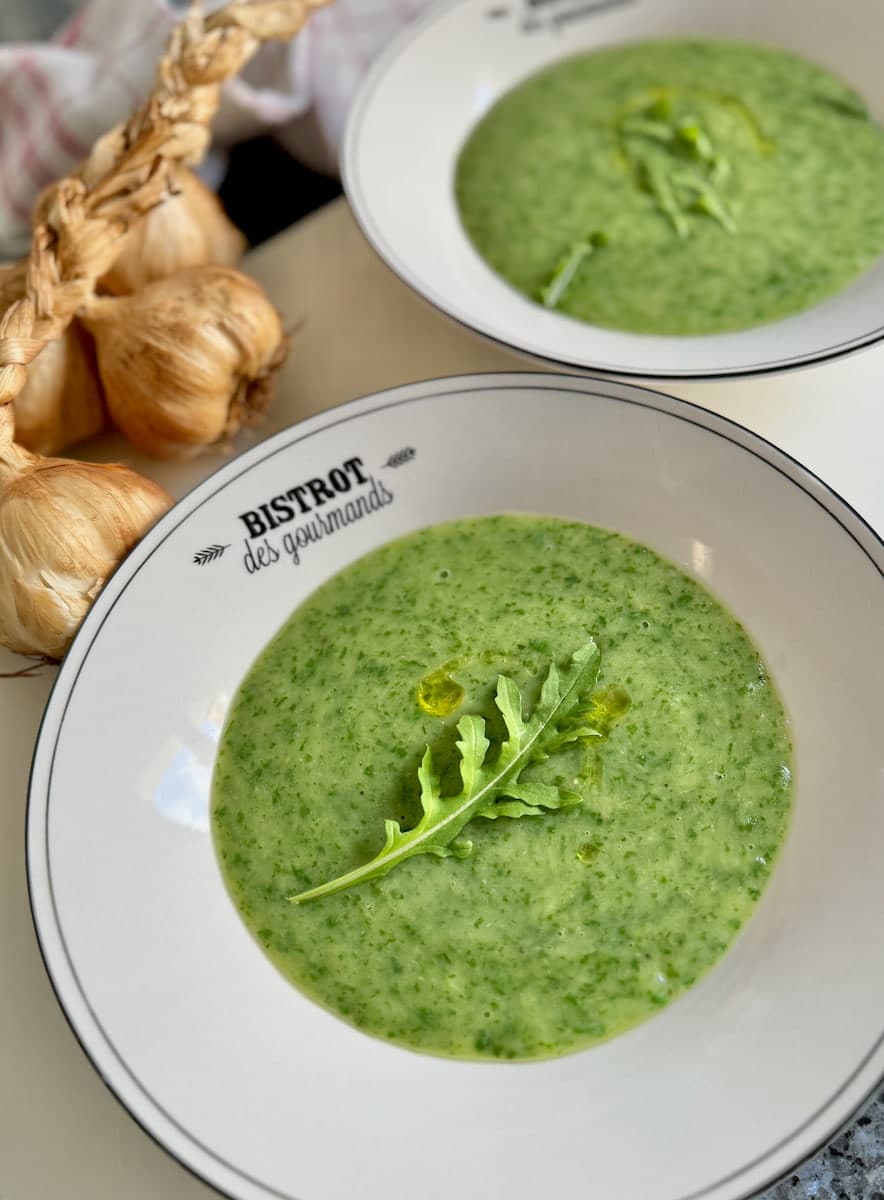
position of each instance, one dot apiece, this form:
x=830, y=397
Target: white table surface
x=62, y=1134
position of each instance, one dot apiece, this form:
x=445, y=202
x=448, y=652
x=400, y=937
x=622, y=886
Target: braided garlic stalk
x=50, y=570
x=62, y=402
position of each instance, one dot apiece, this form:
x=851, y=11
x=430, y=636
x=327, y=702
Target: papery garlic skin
x=61, y=402
x=188, y=360
x=190, y=228
x=64, y=528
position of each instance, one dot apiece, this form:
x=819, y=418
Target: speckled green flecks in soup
x=558, y=930
x=677, y=187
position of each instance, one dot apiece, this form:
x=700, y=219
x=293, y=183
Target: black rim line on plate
x=377, y=241
x=341, y=416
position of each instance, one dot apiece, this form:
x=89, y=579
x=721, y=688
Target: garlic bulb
x=188, y=229
x=188, y=360
x=64, y=527
x=61, y=402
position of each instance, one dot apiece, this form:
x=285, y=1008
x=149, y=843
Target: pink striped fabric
x=57, y=97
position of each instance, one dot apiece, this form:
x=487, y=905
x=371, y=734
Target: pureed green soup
x=677, y=187
x=558, y=930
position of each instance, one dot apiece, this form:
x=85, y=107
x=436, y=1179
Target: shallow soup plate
x=262, y=1092
x=424, y=97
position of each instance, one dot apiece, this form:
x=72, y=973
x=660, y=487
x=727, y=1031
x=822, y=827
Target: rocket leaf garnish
x=674, y=158
x=560, y=280
x=490, y=789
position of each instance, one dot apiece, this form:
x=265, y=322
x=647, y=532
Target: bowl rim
x=866, y=538
x=350, y=180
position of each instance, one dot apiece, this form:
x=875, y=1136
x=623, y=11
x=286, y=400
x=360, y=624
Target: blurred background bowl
x=425, y=94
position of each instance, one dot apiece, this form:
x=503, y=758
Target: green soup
x=559, y=930
x=677, y=187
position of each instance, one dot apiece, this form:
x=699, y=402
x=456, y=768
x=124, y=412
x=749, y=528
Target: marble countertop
x=851, y=1168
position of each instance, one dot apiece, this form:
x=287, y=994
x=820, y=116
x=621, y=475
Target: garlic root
x=189, y=228
x=64, y=527
x=186, y=361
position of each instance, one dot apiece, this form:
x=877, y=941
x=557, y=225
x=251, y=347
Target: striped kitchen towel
x=57, y=97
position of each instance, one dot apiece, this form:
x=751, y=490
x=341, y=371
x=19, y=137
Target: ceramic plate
x=424, y=96
x=263, y=1093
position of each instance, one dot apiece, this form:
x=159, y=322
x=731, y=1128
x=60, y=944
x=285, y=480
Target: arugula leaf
x=848, y=104
x=645, y=127
x=658, y=183
x=706, y=198
x=657, y=143
x=560, y=280
x=492, y=789
x=690, y=132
